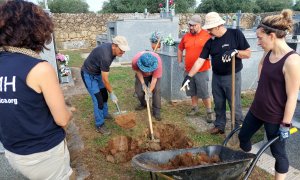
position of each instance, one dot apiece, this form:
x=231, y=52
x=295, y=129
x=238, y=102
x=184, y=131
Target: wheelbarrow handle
x=231, y=134
x=262, y=150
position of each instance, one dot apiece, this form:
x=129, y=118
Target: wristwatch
x=286, y=125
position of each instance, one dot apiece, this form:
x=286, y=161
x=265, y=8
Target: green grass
x=205, y=139
x=75, y=57
x=101, y=141
x=122, y=80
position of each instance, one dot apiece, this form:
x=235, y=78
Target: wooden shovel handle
x=233, y=93
x=156, y=46
x=149, y=117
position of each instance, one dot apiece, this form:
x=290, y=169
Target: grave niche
x=294, y=41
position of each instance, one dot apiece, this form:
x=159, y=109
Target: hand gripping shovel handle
x=149, y=115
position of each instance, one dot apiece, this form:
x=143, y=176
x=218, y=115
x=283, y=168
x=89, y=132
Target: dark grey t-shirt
x=99, y=60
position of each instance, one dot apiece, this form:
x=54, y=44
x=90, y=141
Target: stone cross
x=239, y=15
x=257, y=21
x=226, y=18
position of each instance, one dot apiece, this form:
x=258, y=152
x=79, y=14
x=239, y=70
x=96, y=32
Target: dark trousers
x=156, y=96
x=221, y=90
x=250, y=125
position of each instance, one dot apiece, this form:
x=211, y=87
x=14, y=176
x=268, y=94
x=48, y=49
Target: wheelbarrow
x=233, y=165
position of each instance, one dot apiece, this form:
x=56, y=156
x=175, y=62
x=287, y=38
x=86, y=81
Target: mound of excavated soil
x=126, y=120
x=171, y=137
x=167, y=136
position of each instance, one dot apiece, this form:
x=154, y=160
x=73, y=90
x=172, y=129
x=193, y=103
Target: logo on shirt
x=225, y=45
x=8, y=85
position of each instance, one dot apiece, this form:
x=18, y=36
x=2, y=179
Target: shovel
x=147, y=98
x=234, y=138
x=124, y=119
x=119, y=110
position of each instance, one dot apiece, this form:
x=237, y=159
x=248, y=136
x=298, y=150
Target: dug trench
x=94, y=156
x=121, y=149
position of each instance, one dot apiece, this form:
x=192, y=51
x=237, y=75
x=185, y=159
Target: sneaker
x=193, y=112
x=209, y=117
x=108, y=117
x=140, y=107
x=103, y=130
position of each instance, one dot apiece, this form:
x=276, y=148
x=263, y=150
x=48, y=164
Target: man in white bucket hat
x=224, y=44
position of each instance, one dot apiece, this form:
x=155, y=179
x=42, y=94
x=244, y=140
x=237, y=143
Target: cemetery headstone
x=257, y=21
x=238, y=19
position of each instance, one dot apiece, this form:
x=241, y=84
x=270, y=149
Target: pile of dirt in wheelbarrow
x=167, y=136
x=189, y=159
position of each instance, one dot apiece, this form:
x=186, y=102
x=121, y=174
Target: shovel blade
x=119, y=113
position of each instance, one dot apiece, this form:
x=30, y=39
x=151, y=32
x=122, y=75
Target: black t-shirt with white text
x=99, y=60
x=217, y=46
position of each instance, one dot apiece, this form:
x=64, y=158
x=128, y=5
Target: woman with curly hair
x=32, y=107
x=276, y=95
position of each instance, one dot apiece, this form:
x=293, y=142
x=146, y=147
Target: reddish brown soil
x=126, y=120
x=167, y=136
x=189, y=159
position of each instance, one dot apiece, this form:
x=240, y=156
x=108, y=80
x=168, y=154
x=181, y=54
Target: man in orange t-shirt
x=192, y=43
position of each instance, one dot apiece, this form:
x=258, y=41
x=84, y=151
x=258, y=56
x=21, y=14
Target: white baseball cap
x=121, y=42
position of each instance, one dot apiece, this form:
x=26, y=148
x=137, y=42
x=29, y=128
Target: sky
x=96, y=5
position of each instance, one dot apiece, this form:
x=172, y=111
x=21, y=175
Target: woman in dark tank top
x=277, y=91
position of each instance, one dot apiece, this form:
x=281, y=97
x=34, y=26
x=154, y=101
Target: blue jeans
x=99, y=95
x=221, y=90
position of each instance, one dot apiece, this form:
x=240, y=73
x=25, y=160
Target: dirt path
x=75, y=143
x=76, y=86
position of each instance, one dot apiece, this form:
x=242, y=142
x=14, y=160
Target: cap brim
x=147, y=69
x=209, y=26
x=193, y=22
x=124, y=48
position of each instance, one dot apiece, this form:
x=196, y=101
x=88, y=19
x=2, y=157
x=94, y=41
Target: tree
x=131, y=6
x=67, y=6
x=273, y=5
x=227, y=6
x=296, y=7
x=124, y=6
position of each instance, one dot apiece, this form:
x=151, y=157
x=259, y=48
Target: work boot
x=103, y=130
x=215, y=131
x=140, y=107
x=209, y=117
x=194, y=111
x=157, y=117
x=108, y=117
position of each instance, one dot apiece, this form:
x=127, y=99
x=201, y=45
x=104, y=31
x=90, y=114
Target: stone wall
x=78, y=31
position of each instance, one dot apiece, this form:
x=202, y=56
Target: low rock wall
x=79, y=31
